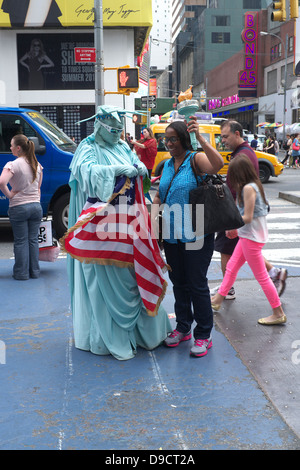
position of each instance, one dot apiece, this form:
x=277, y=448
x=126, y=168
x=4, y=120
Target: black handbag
x=220, y=210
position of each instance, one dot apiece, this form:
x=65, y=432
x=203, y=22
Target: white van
x=260, y=140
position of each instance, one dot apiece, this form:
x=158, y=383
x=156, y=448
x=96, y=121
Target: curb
x=292, y=196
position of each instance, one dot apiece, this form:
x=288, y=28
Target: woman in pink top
x=24, y=175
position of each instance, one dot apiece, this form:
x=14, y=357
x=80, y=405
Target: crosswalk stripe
x=287, y=238
x=284, y=230
x=288, y=256
x=286, y=215
x=283, y=226
x=282, y=217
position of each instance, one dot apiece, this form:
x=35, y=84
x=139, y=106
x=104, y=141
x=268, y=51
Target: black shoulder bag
x=220, y=210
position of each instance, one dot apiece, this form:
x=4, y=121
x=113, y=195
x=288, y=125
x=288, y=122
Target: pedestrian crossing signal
x=140, y=119
x=280, y=11
x=128, y=80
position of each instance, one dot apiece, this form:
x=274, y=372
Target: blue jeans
x=25, y=220
x=190, y=286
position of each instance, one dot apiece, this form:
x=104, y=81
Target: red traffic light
x=128, y=79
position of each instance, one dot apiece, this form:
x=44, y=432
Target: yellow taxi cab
x=268, y=164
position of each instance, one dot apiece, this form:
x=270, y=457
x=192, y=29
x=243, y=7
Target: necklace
x=177, y=165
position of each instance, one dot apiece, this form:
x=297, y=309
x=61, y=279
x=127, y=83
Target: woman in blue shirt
x=187, y=256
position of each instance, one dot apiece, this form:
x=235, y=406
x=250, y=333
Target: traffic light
x=140, y=119
x=294, y=8
x=280, y=11
x=128, y=80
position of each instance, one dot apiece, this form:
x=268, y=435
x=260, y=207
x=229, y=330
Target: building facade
x=39, y=70
x=268, y=105
x=210, y=34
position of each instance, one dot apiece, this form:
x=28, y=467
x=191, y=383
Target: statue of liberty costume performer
x=109, y=315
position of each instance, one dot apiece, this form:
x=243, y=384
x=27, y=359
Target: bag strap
x=194, y=171
x=212, y=177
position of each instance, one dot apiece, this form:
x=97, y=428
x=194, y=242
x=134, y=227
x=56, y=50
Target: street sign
x=151, y=100
x=85, y=54
x=150, y=105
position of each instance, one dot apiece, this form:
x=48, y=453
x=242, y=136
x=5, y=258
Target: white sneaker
x=279, y=280
x=229, y=296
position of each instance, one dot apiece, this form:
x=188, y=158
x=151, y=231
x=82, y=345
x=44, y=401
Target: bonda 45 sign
x=248, y=76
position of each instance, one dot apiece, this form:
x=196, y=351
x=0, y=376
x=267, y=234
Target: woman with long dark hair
x=187, y=256
x=271, y=146
x=24, y=175
x=253, y=206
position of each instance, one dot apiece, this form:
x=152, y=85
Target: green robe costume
x=108, y=314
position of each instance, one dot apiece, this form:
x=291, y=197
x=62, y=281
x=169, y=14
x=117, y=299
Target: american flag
x=118, y=233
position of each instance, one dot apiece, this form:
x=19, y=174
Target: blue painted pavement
x=55, y=397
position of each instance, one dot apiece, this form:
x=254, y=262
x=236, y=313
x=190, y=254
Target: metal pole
x=99, y=65
x=149, y=112
x=264, y=33
x=285, y=84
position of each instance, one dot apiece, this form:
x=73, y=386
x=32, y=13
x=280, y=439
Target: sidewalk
x=242, y=395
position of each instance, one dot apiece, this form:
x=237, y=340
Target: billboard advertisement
x=73, y=13
x=47, y=62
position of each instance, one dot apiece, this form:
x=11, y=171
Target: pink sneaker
x=201, y=346
x=176, y=337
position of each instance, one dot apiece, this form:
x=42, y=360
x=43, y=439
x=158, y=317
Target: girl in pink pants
x=253, y=207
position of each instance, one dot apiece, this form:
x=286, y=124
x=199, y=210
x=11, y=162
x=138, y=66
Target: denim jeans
x=25, y=220
x=189, y=278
